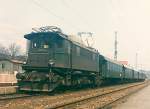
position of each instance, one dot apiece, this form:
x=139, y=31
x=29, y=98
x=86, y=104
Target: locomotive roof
x=58, y=32
x=64, y=36
x=31, y=35
x=80, y=43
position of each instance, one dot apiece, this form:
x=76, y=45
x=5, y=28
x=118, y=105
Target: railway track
x=100, y=100
x=91, y=98
x=14, y=96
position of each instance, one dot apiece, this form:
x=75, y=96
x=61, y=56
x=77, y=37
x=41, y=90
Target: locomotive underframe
x=41, y=79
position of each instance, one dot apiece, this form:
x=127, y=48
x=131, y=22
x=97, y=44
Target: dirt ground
x=139, y=100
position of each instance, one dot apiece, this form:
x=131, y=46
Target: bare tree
x=3, y=50
x=14, y=50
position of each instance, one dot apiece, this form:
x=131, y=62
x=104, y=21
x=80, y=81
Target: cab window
x=41, y=44
x=34, y=45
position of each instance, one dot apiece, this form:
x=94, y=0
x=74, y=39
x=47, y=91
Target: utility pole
x=116, y=43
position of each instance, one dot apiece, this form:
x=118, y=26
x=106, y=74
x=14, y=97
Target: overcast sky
x=131, y=18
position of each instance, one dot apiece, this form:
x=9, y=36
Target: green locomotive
x=55, y=59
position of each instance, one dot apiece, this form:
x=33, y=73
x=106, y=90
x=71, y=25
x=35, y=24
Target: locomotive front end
x=40, y=50
x=39, y=75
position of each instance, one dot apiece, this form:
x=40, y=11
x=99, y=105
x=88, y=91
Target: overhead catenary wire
x=76, y=13
x=50, y=12
x=60, y=17
x=82, y=18
x=115, y=13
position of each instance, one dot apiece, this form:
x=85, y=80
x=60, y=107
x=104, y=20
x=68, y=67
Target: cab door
x=62, y=53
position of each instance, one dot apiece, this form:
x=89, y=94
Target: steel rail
x=14, y=96
x=99, y=95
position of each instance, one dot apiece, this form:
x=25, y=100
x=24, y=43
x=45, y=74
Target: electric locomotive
x=55, y=59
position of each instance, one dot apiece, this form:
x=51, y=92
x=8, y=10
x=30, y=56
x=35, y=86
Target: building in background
x=8, y=70
x=9, y=66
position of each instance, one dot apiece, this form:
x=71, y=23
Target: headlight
x=51, y=63
x=24, y=62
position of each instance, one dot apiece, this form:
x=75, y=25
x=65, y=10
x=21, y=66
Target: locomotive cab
x=44, y=47
x=48, y=59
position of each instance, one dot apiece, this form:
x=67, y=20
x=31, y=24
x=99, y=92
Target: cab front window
x=41, y=44
x=45, y=46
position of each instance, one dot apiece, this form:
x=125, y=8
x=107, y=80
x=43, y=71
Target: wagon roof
x=113, y=61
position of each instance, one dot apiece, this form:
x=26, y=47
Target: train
x=56, y=59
